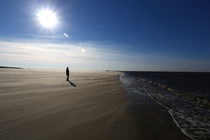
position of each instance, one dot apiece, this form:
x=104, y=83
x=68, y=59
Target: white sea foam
x=192, y=118
x=130, y=84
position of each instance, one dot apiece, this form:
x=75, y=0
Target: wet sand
x=41, y=105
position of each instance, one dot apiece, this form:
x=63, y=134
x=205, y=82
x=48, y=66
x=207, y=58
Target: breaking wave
x=190, y=113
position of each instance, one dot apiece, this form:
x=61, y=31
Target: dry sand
x=41, y=105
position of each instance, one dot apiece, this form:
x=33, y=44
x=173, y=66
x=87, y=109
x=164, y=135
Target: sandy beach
x=41, y=105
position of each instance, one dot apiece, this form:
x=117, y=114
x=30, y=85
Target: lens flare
x=82, y=50
x=66, y=35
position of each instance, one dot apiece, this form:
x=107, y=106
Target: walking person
x=67, y=74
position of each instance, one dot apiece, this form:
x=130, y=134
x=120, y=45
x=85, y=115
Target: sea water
x=186, y=96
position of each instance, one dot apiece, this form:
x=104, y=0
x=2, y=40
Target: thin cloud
x=48, y=55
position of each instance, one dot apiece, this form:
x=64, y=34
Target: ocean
x=186, y=96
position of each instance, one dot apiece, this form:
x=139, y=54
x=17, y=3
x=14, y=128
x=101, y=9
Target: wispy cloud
x=55, y=55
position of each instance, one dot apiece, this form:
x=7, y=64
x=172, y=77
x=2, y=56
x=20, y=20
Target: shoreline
x=145, y=108
x=168, y=110
x=42, y=105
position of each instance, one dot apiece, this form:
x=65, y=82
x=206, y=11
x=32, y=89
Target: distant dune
x=10, y=67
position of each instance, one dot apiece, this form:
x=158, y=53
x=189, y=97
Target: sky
x=138, y=35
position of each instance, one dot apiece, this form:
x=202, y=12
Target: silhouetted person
x=67, y=74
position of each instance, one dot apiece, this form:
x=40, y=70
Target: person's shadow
x=71, y=83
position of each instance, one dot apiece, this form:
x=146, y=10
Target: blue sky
x=171, y=35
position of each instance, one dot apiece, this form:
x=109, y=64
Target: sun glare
x=47, y=18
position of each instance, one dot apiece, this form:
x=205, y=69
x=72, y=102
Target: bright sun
x=47, y=18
